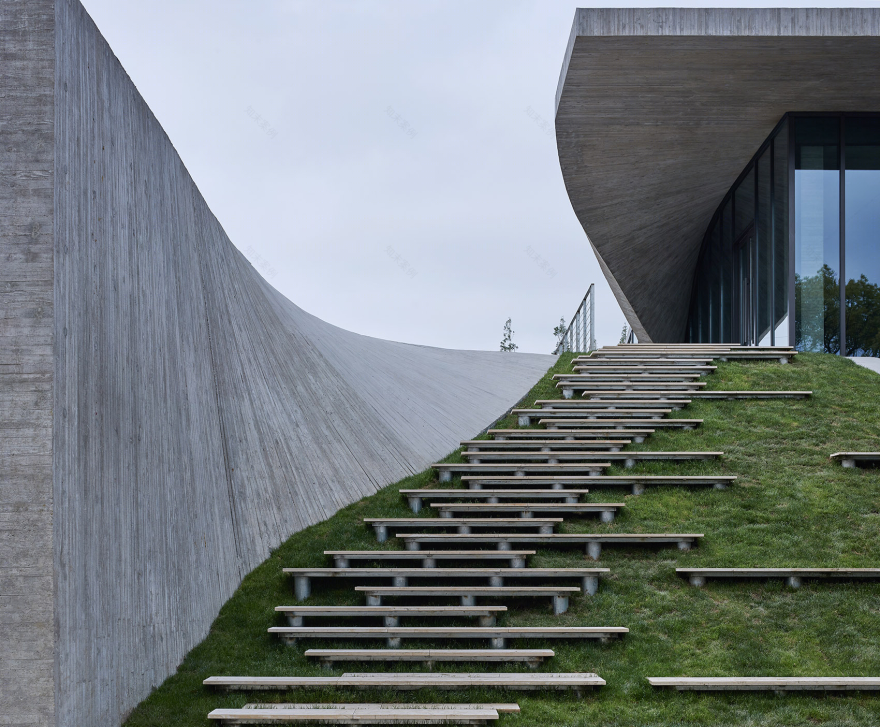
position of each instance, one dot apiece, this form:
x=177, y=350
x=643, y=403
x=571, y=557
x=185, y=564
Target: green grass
x=790, y=507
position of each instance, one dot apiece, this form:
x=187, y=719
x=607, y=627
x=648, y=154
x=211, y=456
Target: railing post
x=591, y=294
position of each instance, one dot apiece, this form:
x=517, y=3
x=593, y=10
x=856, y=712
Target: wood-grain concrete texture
x=178, y=415
x=659, y=110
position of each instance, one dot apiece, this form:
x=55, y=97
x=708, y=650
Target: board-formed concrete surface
x=166, y=416
x=658, y=110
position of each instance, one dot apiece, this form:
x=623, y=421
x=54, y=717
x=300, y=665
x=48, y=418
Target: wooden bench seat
x=498, y=636
x=400, y=715
x=532, y=657
x=570, y=419
x=591, y=541
x=638, y=483
x=698, y=394
x=768, y=684
x=462, y=525
x=636, y=374
x=447, y=471
x=592, y=418
x=573, y=435
x=605, y=510
x=391, y=615
x=400, y=576
x=679, y=389
x=628, y=458
x=852, y=459
x=428, y=558
x=469, y=594
x=414, y=680
x=546, y=445
x=416, y=497
x=793, y=576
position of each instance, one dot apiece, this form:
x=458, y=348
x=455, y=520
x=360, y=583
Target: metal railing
x=581, y=332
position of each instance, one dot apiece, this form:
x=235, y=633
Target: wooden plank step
x=637, y=370
x=636, y=435
x=605, y=510
x=628, y=458
x=496, y=635
x=635, y=374
x=399, y=715
x=612, y=444
x=689, y=362
x=697, y=394
x=851, y=459
x=501, y=708
x=568, y=420
x=416, y=497
x=428, y=558
x=591, y=541
x=592, y=418
x=781, y=356
x=772, y=684
x=414, y=680
x=469, y=594
x=590, y=405
x=636, y=482
x=793, y=576
x=462, y=525
x=532, y=657
x=447, y=470
x=390, y=614
x=679, y=389
x=400, y=576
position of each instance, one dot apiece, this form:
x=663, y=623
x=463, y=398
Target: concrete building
x=725, y=164
x=166, y=416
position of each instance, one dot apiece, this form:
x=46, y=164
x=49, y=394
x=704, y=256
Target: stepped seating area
x=853, y=459
x=513, y=476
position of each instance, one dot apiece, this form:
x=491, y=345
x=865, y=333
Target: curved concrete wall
x=658, y=110
x=197, y=416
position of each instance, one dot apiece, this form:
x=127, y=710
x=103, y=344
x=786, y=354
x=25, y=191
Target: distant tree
x=559, y=332
x=624, y=334
x=507, y=343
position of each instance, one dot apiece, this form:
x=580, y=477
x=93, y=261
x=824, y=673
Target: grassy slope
x=790, y=507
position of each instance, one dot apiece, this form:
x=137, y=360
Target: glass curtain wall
x=741, y=286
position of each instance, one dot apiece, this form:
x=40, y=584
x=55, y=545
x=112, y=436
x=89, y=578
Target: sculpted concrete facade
x=167, y=416
x=659, y=110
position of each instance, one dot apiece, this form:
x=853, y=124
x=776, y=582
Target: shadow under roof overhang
x=659, y=110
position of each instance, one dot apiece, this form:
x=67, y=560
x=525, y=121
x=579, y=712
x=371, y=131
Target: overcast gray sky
x=389, y=166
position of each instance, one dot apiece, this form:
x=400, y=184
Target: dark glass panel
x=780, y=235
x=817, y=234
x=716, y=283
x=744, y=204
x=764, y=270
x=726, y=229
x=862, y=236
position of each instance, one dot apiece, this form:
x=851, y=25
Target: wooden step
x=399, y=715
x=605, y=510
x=469, y=594
x=637, y=371
x=793, y=576
x=495, y=576
x=768, y=684
x=679, y=389
x=590, y=405
x=532, y=657
x=637, y=483
x=851, y=459
x=570, y=419
x=635, y=374
x=624, y=396
x=416, y=498
x=781, y=356
x=689, y=362
x=591, y=541
x=498, y=636
x=574, y=435
x=391, y=614
x=447, y=470
x=428, y=558
x=462, y=525
x=627, y=458
x=545, y=444
x=592, y=418
x=414, y=680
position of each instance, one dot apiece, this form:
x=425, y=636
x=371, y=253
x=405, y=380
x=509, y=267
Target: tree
x=507, y=343
x=559, y=332
x=624, y=334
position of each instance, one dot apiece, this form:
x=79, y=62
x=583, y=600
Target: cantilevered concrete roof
x=659, y=110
